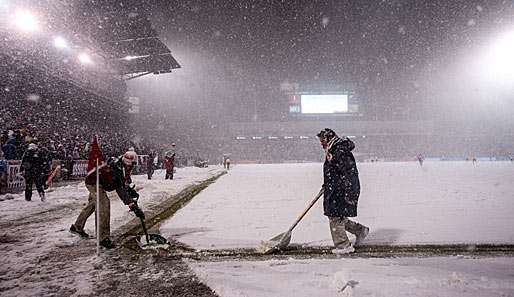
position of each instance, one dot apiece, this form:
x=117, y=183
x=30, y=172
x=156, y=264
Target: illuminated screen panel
x=324, y=103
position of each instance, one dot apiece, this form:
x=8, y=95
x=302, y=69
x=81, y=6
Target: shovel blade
x=276, y=243
x=155, y=240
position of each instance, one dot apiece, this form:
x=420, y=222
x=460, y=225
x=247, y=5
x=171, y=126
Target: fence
x=75, y=169
x=14, y=179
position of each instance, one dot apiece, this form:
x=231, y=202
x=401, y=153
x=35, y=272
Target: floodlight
x=130, y=57
x=500, y=59
x=60, y=42
x=25, y=21
x=85, y=58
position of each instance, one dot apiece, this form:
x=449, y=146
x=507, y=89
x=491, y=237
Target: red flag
x=94, y=154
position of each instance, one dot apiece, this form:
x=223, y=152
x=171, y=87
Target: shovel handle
x=300, y=217
x=144, y=230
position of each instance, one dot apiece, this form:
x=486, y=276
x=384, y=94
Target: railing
x=16, y=182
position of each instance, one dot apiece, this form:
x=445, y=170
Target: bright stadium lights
x=25, y=21
x=4, y=5
x=60, y=42
x=499, y=60
x=85, y=59
x=129, y=58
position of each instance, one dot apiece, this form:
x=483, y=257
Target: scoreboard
x=341, y=103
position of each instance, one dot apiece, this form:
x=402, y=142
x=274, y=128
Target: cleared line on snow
x=367, y=251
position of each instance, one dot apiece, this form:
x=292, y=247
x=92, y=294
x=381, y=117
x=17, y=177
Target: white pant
x=338, y=228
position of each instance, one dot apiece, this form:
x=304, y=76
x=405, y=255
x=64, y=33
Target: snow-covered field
x=41, y=258
x=152, y=192
x=454, y=276
x=403, y=203
x=442, y=202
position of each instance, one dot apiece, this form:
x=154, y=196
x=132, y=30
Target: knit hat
x=129, y=158
x=327, y=134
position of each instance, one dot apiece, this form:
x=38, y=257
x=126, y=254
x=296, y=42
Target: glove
x=133, y=193
x=137, y=211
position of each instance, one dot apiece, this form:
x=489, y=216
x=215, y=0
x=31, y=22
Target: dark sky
x=238, y=52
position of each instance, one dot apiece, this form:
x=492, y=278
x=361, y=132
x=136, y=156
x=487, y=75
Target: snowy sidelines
x=31, y=231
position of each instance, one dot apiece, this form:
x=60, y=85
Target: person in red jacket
x=114, y=176
x=169, y=165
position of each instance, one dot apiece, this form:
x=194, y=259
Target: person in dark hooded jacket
x=341, y=190
x=34, y=167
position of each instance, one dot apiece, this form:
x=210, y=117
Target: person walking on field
x=169, y=165
x=341, y=191
x=420, y=159
x=228, y=163
x=150, y=165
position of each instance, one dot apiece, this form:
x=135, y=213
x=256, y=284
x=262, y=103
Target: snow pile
x=343, y=283
x=456, y=279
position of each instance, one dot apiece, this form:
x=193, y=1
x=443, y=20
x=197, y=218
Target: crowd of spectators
x=57, y=114
x=59, y=126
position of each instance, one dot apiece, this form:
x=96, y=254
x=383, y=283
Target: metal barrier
x=79, y=168
x=16, y=182
x=141, y=164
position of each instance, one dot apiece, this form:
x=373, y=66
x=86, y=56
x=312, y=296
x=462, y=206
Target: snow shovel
x=283, y=239
x=152, y=239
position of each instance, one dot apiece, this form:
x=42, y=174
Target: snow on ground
x=442, y=202
x=403, y=203
x=31, y=232
x=153, y=192
x=454, y=276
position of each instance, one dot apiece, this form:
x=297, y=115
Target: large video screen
x=324, y=103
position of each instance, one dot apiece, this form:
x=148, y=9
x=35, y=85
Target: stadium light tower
x=25, y=21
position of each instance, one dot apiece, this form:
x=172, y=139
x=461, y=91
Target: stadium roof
x=124, y=33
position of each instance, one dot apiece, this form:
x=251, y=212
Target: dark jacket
x=340, y=180
x=9, y=150
x=169, y=162
x=113, y=177
x=149, y=162
x=34, y=162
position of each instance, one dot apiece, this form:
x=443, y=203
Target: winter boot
x=359, y=237
x=42, y=196
x=343, y=251
x=107, y=243
x=78, y=232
